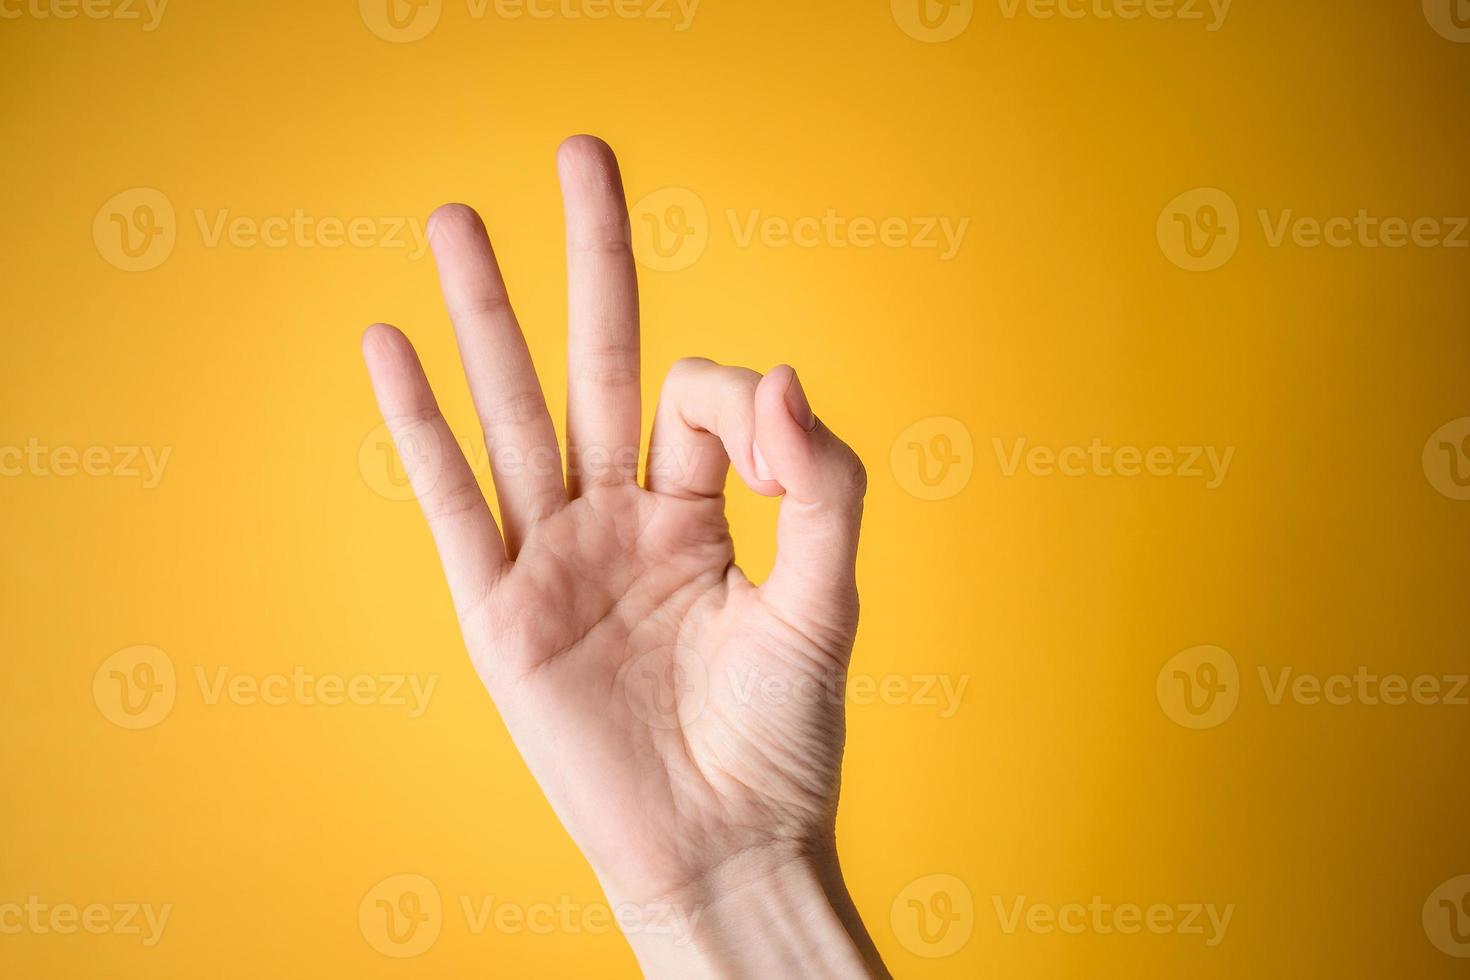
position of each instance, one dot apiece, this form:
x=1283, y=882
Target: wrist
x=777, y=910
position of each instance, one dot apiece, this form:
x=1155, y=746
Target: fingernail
x=798, y=406
x=762, y=471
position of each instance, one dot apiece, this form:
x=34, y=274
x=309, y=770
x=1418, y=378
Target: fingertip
x=584, y=147
x=782, y=402
x=381, y=338
x=450, y=217
x=780, y=445
x=760, y=478
x=588, y=167
x=768, y=394
x=777, y=380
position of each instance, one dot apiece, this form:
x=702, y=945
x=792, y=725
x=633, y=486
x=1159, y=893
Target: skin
x=685, y=724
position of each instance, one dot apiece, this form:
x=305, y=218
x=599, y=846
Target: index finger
x=604, y=404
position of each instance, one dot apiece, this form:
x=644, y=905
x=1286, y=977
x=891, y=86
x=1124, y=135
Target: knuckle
x=612, y=365
x=740, y=382
x=514, y=409
x=686, y=368
x=614, y=374
x=453, y=501
x=736, y=416
x=610, y=241
x=483, y=305
x=414, y=418
x=854, y=474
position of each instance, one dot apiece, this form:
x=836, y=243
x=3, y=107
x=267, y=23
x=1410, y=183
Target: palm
x=675, y=714
x=652, y=662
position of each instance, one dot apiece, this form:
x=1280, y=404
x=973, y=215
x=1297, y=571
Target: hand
x=686, y=725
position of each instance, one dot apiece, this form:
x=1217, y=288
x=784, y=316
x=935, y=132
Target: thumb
x=813, y=583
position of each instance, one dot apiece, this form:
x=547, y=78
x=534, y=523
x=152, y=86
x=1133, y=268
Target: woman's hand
x=686, y=725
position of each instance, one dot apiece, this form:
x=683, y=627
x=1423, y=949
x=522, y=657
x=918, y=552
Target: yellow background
x=1059, y=599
